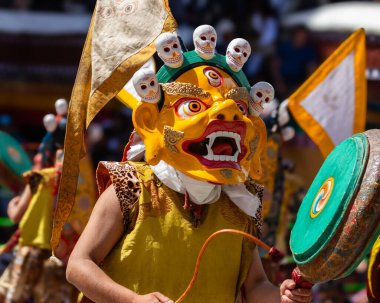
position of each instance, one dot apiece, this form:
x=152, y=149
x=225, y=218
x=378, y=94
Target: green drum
x=339, y=218
x=14, y=161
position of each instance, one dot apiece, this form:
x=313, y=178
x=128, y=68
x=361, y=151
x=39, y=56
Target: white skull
x=262, y=92
x=146, y=85
x=61, y=106
x=50, y=122
x=238, y=52
x=169, y=49
x=204, y=38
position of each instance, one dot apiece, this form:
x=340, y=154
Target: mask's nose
x=226, y=110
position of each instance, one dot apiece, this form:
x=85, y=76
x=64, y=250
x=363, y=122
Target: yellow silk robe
x=160, y=246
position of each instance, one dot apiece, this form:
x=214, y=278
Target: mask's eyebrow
x=238, y=93
x=185, y=90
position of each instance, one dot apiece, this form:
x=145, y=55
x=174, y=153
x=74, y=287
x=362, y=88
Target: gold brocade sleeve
x=84, y=105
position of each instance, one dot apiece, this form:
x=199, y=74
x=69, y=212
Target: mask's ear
x=145, y=117
x=261, y=142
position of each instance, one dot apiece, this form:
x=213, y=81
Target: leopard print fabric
x=124, y=178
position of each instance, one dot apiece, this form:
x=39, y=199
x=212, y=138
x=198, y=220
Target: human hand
x=290, y=294
x=154, y=297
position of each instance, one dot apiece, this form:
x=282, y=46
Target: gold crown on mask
x=147, y=83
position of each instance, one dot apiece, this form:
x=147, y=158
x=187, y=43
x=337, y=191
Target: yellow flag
x=331, y=105
x=119, y=41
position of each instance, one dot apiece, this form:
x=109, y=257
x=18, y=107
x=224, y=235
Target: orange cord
x=222, y=231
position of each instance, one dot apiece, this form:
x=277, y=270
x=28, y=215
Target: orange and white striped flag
x=331, y=105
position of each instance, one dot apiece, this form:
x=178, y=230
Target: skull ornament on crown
x=204, y=38
x=262, y=92
x=238, y=52
x=146, y=85
x=169, y=49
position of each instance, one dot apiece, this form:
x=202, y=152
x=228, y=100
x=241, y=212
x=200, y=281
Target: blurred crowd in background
x=282, y=56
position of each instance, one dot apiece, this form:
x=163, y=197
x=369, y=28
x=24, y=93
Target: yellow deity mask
x=202, y=125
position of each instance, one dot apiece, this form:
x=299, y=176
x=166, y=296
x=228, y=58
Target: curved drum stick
x=273, y=253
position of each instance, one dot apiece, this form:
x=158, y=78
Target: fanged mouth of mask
x=218, y=146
